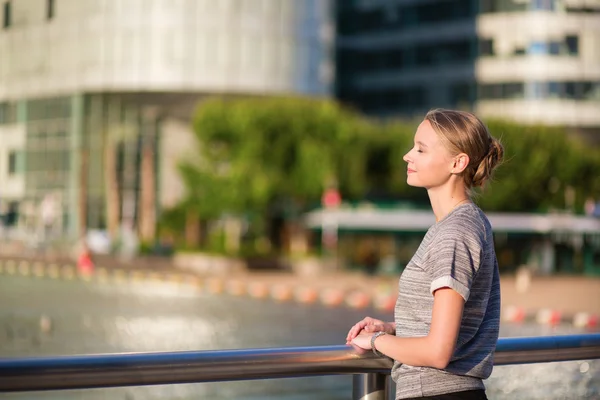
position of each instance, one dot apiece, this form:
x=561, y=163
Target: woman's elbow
x=440, y=361
x=441, y=356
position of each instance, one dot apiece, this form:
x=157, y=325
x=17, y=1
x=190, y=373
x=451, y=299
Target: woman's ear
x=461, y=162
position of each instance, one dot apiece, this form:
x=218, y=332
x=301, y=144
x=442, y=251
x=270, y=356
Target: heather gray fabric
x=457, y=252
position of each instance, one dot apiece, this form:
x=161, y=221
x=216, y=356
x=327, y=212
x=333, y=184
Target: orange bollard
x=85, y=265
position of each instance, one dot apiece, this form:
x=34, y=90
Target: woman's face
x=429, y=162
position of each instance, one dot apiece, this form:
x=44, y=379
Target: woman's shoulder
x=467, y=219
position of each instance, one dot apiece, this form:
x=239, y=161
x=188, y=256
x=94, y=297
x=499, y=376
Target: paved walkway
x=548, y=300
x=566, y=294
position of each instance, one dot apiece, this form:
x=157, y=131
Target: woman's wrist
x=373, y=338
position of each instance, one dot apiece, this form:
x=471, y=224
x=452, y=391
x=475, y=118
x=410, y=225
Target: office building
x=87, y=85
x=533, y=61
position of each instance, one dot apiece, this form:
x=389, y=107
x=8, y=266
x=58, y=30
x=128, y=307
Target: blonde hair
x=463, y=132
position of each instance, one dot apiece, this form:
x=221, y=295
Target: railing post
x=371, y=386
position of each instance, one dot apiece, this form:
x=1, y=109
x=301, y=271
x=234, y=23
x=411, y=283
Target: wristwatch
x=375, y=336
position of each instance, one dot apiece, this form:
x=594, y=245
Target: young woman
x=447, y=314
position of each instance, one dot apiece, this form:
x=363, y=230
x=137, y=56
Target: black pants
x=466, y=395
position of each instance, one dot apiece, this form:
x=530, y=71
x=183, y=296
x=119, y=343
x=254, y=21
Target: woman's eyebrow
x=421, y=143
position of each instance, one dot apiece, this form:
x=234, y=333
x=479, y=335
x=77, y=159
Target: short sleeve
x=453, y=260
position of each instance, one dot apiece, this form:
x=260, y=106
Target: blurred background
x=262, y=140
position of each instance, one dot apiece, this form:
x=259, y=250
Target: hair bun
x=496, y=152
x=489, y=163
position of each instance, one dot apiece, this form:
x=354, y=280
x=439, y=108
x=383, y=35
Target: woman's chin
x=412, y=182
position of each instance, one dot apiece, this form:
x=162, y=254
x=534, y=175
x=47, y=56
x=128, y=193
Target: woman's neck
x=444, y=200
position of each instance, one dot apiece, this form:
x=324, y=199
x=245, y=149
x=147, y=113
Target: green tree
x=541, y=163
x=273, y=155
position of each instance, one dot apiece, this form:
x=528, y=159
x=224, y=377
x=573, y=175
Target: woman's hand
x=363, y=340
x=369, y=326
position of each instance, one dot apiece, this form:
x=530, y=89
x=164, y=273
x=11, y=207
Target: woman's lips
x=410, y=171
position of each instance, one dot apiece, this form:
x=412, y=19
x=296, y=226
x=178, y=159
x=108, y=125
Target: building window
x=572, y=43
x=49, y=9
x=537, y=48
x=6, y=21
x=515, y=90
x=490, y=91
x=519, y=51
x=568, y=46
x=8, y=113
x=573, y=6
x=583, y=8
x=494, y=6
x=12, y=163
x=554, y=48
x=544, y=5
x=486, y=47
x=582, y=90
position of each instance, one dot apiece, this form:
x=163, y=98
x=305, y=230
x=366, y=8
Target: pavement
x=539, y=298
x=546, y=300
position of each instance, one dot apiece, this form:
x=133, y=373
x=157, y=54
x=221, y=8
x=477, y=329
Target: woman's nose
x=406, y=157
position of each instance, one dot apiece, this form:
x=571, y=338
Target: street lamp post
x=329, y=228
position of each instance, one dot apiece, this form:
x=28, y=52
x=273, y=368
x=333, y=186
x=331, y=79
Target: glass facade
x=407, y=56
x=393, y=51
x=47, y=155
x=115, y=132
x=68, y=161
x=390, y=100
x=398, y=17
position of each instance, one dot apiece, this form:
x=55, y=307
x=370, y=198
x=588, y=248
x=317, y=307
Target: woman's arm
x=434, y=350
x=370, y=325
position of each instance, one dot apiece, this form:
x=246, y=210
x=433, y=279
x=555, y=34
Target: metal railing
x=370, y=372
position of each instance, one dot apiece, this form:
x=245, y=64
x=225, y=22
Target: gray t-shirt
x=457, y=252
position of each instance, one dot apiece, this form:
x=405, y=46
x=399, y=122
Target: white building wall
x=547, y=112
x=518, y=30
x=272, y=46
x=536, y=68
x=512, y=30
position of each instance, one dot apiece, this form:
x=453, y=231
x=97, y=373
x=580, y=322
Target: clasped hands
x=361, y=332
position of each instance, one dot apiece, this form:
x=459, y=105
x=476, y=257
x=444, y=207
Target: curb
x=280, y=292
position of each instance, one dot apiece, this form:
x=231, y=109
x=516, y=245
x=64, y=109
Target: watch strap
x=375, y=336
